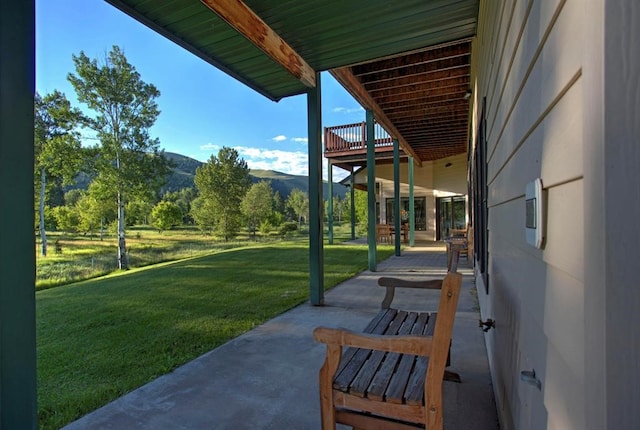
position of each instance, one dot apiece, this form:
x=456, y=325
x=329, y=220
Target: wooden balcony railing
x=352, y=138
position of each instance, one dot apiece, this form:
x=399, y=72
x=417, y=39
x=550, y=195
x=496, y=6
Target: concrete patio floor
x=268, y=377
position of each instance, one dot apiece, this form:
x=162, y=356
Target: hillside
x=185, y=169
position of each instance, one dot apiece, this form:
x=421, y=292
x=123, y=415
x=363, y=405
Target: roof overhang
x=406, y=61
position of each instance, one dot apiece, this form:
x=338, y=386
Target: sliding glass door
x=451, y=214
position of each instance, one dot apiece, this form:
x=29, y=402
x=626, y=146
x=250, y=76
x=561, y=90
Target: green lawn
x=79, y=257
x=101, y=338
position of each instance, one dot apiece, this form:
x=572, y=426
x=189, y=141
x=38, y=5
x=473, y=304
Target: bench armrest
x=391, y=283
x=402, y=344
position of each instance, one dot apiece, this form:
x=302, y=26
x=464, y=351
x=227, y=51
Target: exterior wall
x=527, y=63
x=620, y=141
x=433, y=179
x=452, y=179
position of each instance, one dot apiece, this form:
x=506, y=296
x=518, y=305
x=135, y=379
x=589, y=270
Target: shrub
x=265, y=227
x=287, y=227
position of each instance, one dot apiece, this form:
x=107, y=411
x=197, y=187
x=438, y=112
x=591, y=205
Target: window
x=480, y=211
x=420, y=211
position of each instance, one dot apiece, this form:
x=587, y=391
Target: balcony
x=347, y=144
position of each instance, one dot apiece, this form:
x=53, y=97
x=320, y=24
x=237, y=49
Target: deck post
x=412, y=218
x=316, y=252
x=396, y=194
x=371, y=190
x=17, y=257
x=352, y=191
x=330, y=200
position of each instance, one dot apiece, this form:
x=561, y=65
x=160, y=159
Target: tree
x=298, y=202
x=166, y=215
x=97, y=207
x=138, y=211
x=362, y=209
x=72, y=197
x=67, y=218
x=57, y=147
x=203, y=214
x=125, y=108
x=183, y=198
x=278, y=213
x=257, y=205
x=223, y=182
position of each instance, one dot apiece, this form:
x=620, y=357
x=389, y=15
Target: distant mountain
x=185, y=167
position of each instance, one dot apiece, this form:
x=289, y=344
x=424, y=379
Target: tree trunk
x=43, y=232
x=122, y=246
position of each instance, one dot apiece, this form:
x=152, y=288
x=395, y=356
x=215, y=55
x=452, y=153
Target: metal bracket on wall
x=529, y=376
x=486, y=325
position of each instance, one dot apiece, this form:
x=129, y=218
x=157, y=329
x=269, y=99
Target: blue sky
x=202, y=108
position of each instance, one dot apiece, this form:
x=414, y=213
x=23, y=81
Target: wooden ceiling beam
x=435, y=143
x=420, y=102
x=440, y=138
x=460, y=118
x=451, y=106
x=456, y=130
x=416, y=70
x=456, y=72
x=402, y=121
x=443, y=149
x=344, y=76
x=422, y=86
x=443, y=126
x=421, y=114
x=412, y=59
x=433, y=94
x=239, y=16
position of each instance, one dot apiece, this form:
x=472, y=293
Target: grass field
x=73, y=258
x=100, y=338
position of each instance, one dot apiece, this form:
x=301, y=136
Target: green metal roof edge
x=126, y=8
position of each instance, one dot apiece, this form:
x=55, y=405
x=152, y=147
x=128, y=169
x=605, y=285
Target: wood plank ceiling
x=422, y=94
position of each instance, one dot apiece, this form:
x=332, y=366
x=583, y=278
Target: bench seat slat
x=397, y=385
x=354, y=358
x=380, y=382
x=360, y=384
x=414, y=394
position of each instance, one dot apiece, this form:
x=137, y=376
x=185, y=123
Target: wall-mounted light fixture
x=467, y=95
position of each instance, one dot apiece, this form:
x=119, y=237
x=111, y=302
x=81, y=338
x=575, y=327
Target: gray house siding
x=529, y=70
x=561, y=81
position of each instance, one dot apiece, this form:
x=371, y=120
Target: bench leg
x=452, y=376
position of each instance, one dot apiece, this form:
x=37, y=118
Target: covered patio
x=408, y=65
x=268, y=377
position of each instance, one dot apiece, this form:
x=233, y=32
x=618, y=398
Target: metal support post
x=17, y=257
x=371, y=190
x=330, y=201
x=396, y=195
x=316, y=203
x=412, y=217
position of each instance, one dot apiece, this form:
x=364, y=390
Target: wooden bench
x=390, y=376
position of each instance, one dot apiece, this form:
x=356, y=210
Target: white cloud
x=279, y=138
x=292, y=162
x=300, y=139
x=210, y=147
x=341, y=109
